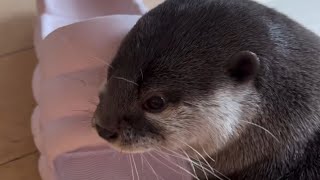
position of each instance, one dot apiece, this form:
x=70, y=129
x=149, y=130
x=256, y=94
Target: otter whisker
x=135, y=166
x=157, y=176
x=208, y=155
x=141, y=162
x=266, y=130
x=213, y=161
x=179, y=156
x=131, y=167
x=204, y=172
x=189, y=160
x=192, y=164
x=222, y=175
x=185, y=170
x=202, y=168
x=208, y=164
x=163, y=162
x=100, y=60
x=166, y=153
x=213, y=170
x=196, y=152
x=124, y=79
x=198, y=165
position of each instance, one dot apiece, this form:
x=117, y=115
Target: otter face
x=177, y=106
x=171, y=87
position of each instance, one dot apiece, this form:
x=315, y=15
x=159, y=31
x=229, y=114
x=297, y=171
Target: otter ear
x=243, y=66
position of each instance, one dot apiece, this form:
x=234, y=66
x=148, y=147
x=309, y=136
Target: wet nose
x=108, y=135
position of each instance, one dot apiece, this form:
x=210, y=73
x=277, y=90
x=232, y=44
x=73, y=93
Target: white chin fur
x=208, y=124
x=220, y=119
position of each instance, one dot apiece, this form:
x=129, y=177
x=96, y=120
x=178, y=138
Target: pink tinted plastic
x=73, y=47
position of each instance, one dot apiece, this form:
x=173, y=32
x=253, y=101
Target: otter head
x=175, y=85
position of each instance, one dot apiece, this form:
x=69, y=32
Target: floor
x=18, y=155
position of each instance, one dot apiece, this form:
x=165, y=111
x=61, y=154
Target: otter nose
x=107, y=134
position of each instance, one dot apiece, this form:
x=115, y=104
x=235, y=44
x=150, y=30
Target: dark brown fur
x=182, y=48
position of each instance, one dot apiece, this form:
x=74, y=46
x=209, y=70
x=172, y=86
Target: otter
x=232, y=83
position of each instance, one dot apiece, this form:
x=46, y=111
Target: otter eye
x=155, y=104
